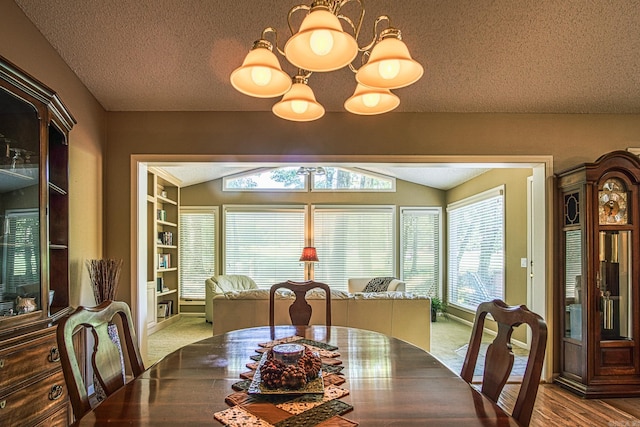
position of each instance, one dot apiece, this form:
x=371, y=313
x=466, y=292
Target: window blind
x=22, y=255
x=197, y=251
x=476, y=249
x=420, y=250
x=264, y=243
x=353, y=241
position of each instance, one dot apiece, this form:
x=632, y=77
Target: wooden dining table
x=389, y=382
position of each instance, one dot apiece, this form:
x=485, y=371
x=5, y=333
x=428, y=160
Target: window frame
x=226, y=179
x=378, y=208
x=262, y=208
x=498, y=191
x=392, y=180
x=437, y=210
x=216, y=248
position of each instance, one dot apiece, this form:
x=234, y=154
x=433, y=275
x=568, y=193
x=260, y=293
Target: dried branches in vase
x=104, y=275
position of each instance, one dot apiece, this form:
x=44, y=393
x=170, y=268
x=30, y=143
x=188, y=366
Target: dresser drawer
x=60, y=418
x=27, y=405
x=29, y=359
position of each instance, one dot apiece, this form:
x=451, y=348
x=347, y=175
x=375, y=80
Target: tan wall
x=515, y=182
x=22, y=44
x=233, y=136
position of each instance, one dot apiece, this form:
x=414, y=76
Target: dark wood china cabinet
x=598, y=276
x=34, y=253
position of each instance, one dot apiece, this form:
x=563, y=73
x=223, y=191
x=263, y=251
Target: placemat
x=306, y=410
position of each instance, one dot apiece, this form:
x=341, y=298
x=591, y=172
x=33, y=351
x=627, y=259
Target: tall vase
x=104, y=275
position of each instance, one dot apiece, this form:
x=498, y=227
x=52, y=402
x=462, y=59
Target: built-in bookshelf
x=163, y=285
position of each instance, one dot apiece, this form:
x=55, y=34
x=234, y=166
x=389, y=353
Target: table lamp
x=309, y=255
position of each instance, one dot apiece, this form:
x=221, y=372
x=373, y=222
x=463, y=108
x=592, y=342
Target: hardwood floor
x=556, y=406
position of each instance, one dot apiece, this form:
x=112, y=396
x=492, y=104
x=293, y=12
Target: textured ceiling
x=544, y=56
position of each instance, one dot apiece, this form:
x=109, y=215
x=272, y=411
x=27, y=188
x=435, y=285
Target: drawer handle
x=3, y=404
x=1, y=363
x=56, y=392
x=54, y=355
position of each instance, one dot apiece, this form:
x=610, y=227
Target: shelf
x=170, y=291
x=165, y=200
x=57, y=189
x=170, y=224
x=164, y=270
x=53, y=246
x=167, y=246
x=163, y=322
x=150, y=198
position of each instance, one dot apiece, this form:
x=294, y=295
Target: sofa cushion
x=234, y=282
x=359, y=284
x=387, y=295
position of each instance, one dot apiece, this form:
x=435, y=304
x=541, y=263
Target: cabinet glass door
x=614, y=284
x=573, y=284
x=19, y=207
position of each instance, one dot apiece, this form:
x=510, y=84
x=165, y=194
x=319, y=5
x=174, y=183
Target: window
x=420, y=250
x=197, y=250
x=22, y=254
x=351, y=180
x=269, y=179
x=476, y=249
x=264, y=243
x=353, y=241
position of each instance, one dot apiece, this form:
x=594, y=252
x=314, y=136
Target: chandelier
x=321, y=45
x=306, y=170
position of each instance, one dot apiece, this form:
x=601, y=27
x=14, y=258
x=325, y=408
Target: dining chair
x=499, y=358
x=300, y=310
x=105, y=356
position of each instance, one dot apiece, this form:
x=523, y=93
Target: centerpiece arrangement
x=288, y=368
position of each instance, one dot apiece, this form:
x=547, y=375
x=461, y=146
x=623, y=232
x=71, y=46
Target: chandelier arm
x=293, y=10
x=275, y=32
x=375, y=32
x=356, y=27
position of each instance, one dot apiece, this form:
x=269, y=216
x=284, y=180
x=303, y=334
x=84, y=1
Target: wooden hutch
x=34, y=272
x=598, y=276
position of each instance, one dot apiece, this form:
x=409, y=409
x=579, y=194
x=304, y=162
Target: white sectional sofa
x=399, y=314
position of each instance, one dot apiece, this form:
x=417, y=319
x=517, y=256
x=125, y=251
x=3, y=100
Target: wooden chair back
x=499, y=357
x=300, y=310
x=105, y=356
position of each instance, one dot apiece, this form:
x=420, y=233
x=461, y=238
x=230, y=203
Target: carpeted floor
x=183, y=332
x=449, y=341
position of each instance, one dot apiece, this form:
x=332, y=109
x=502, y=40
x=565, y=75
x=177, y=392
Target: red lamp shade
x=309, y=254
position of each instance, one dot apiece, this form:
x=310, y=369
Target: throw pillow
x=378, y=284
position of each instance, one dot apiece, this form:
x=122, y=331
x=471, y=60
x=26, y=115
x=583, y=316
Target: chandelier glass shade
x=299, y=103
x=321, y=45
x=370, y=100
x=390, y=65
x=260, y=74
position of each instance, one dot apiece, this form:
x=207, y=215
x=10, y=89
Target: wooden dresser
x=34, y=252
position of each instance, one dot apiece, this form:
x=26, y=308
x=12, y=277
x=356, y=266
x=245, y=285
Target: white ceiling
x=443, y=177
x=511, y=56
